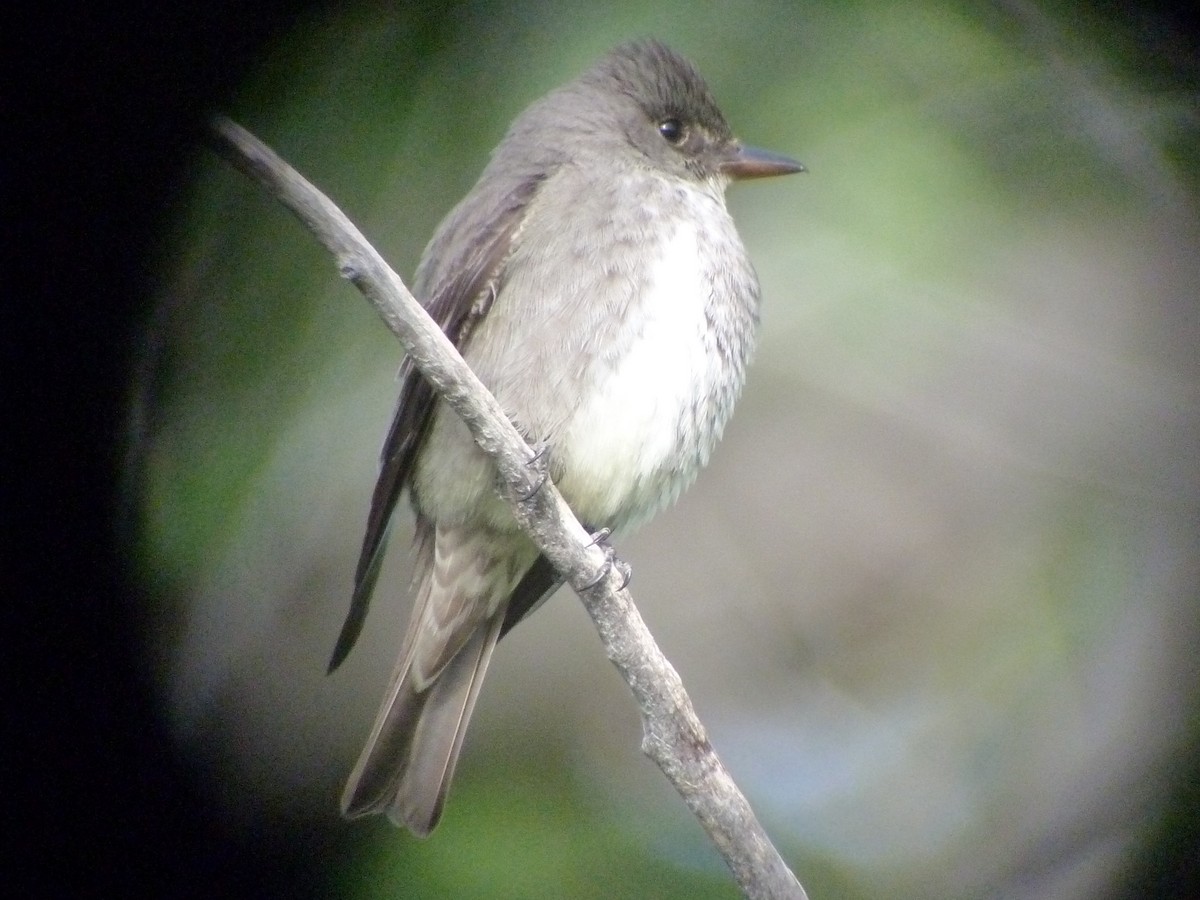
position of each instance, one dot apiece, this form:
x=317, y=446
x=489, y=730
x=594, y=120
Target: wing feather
x=461, y=291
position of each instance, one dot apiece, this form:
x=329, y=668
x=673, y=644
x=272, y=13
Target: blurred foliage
x=945, y=639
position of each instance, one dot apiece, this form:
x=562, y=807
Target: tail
x=408, y=762
x=464, y=579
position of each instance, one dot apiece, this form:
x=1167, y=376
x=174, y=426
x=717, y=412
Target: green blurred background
x=935, y=596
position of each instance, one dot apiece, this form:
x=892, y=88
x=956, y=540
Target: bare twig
x=672, y=733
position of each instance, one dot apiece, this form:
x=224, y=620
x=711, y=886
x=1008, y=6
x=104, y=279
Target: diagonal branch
x=672, y=734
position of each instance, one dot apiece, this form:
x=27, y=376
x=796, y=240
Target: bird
x=595, y=282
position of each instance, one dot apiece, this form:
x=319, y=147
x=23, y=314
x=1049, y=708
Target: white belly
x=636, y=439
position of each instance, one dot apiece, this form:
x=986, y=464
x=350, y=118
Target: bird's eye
x=672, y=130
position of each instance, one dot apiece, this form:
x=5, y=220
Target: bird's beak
x=751, y=162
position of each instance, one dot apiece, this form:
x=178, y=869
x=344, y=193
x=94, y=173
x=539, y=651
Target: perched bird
x=594, y=281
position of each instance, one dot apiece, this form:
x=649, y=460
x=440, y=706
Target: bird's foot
x=539, y=463
x=600, y=539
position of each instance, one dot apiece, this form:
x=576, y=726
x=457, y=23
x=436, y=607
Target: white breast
x=632, y=440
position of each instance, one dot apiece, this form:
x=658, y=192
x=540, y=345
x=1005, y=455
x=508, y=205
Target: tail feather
x=463, y=580
x=407, y=765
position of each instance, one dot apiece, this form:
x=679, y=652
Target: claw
x=532, y=492
x=600, y=537
x=538, y=463
x=626, y=572
x=609, y=558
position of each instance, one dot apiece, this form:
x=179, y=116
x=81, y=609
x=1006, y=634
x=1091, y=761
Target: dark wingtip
x=339, y=656
x=348, y=637
x=353, y=626
x=369, y=564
